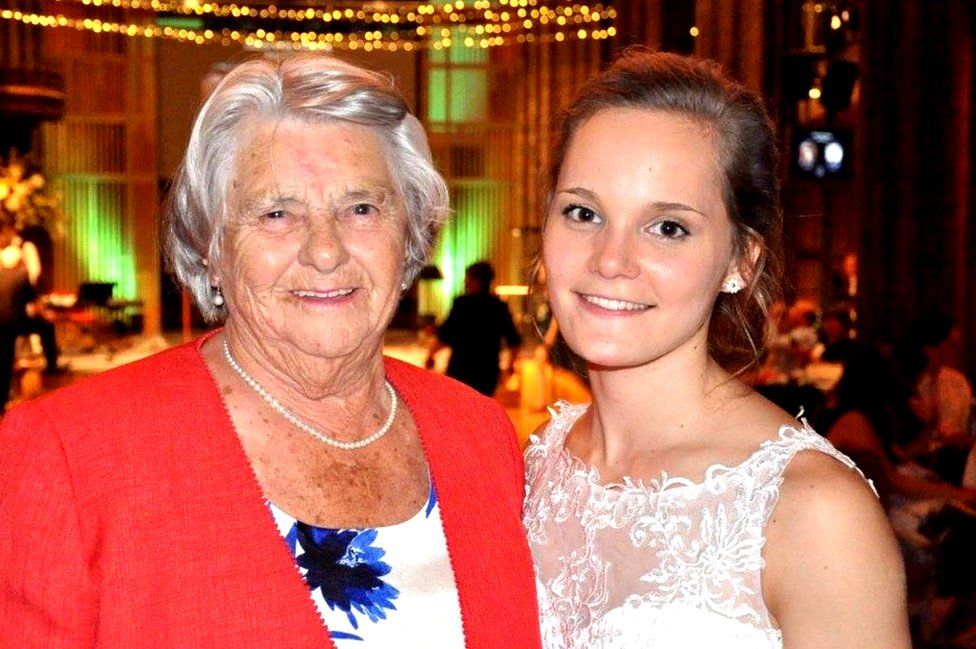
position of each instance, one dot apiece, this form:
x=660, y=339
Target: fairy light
x=476, y=24
x=380, y=13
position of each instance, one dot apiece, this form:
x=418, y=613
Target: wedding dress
x=666, y=564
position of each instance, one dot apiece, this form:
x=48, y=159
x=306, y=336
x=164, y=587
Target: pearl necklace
x=302, y=425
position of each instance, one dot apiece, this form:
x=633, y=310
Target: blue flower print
x=431, y=501
x=346, y=567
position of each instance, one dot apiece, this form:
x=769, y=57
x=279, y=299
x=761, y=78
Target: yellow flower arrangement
x=26, y=200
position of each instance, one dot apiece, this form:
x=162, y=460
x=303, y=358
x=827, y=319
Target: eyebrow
x=582, y=192
x=374, y=192
x=275, y=196
x=265, y=199
x=665, y=206
x=662, y=206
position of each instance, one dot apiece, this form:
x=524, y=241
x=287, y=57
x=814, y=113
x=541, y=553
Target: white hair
x=314, y=88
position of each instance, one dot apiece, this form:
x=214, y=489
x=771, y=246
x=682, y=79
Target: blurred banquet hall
x=874, y=102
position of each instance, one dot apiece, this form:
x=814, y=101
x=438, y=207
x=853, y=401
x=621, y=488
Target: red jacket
x=129, y=516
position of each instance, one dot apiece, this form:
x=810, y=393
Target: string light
x=457, y=12
x=311, y=40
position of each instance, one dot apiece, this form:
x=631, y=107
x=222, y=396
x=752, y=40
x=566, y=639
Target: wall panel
x=102, y=156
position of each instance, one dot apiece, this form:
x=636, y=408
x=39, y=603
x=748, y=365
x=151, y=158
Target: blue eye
x=580, y=214
x=670, y=230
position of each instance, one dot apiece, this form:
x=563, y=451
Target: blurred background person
x=17, y=265
x=801, y=321
x=929, y=514
x=16, y=250
x=942, y=395
x=943, y=398
x=475, y=328
x=836, y=335
x=870, y=413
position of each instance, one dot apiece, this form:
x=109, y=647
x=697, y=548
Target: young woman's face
x=637, y=240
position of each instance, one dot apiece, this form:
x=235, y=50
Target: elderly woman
x=277, y=482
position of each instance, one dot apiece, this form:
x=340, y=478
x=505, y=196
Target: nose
x=614, y=255
x=324, y=248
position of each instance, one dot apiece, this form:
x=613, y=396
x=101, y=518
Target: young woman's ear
x=742, y=270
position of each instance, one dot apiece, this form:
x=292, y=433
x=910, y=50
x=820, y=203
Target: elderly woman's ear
x=217, y=296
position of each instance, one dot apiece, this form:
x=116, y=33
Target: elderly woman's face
x=313, y=248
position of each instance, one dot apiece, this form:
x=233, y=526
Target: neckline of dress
x=422, y=514
x=665, y=483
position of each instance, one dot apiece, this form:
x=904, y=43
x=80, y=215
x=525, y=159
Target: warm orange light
x=489, y=30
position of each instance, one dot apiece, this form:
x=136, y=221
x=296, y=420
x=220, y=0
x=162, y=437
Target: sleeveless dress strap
x=794, y=439
x=769, y=464
x=564, y=415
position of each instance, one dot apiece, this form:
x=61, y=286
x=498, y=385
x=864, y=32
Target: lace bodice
x=667, y=564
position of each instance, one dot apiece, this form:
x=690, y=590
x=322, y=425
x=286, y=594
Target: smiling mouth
x=609, y=304
x=324, y=295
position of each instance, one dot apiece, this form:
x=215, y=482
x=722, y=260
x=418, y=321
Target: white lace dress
x=669, y=564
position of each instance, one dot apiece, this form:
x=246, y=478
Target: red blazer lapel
x=263, y=599
x=477, y=471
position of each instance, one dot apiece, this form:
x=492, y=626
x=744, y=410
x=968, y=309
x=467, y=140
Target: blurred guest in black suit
x=474, y=330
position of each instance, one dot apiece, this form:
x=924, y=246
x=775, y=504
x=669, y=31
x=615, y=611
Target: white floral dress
x=380, y=587
x=669, y=564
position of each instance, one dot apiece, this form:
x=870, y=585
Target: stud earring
x=218, y=298
x=733, y=285
x=404, y=286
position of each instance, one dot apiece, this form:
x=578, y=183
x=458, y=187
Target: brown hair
x=747, y=157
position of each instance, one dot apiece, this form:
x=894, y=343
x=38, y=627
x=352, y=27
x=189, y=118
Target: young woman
x=680, y=508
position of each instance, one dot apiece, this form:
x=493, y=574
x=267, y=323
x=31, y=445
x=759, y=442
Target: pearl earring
x=218, y=298
x=733, y=285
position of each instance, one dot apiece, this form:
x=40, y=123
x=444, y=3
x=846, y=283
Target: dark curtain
x=918, y=162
